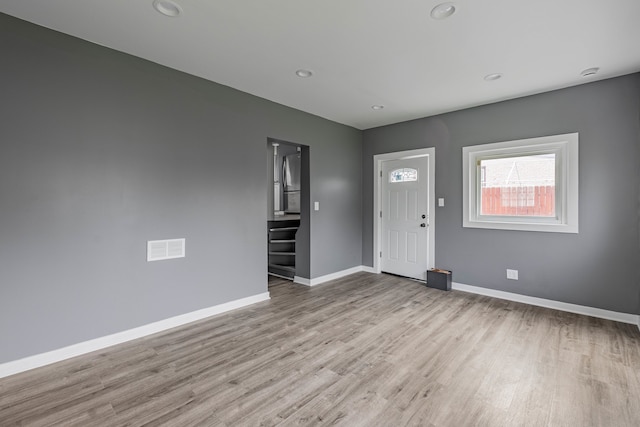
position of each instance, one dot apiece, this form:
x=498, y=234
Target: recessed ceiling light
x=589, y=72
x=304, y=73
x=492, y=77
x=167, y=8
x=377, y=107
x=443, y=10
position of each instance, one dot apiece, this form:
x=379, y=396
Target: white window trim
x=566, y=149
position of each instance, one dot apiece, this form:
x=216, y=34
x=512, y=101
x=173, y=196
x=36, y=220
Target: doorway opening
x=404, y=212
x=288, y=210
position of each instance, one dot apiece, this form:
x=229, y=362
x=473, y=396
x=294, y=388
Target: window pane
x=518, y=186
x=403, y=175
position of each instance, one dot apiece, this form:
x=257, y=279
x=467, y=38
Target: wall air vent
x=158, y=250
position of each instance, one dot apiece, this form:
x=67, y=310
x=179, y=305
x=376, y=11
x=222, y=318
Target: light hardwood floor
x=367, y=350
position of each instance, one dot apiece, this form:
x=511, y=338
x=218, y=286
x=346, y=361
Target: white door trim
x=377, y=207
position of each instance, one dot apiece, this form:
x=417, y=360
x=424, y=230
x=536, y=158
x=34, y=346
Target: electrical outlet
x=512, y=274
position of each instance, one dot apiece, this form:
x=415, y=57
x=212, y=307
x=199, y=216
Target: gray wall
x=598, y=267
x=102, y=151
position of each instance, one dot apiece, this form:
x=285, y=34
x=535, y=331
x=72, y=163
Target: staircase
x=282, y=247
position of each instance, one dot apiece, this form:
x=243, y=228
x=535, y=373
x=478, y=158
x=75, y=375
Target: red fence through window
x=519, y=201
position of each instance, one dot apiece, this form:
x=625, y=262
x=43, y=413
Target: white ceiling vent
x=165, y=249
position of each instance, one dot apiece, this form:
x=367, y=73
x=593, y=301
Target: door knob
x=423, y=225
x=423, y=216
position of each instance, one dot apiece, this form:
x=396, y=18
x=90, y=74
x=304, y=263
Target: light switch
x=441, y=202
x=316, y=206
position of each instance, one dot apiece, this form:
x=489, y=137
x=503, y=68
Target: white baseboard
x=557, y=305
x=368, y=269
x=31, y=362
x=332, y=276
x=301, y=280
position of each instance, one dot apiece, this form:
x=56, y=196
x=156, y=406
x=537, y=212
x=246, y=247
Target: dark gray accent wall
x=102, y=151
x=303, y=236
x=638, y=204
x=599, y=267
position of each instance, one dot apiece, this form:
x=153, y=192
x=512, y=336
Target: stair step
x=290, y=268
x=283, y=229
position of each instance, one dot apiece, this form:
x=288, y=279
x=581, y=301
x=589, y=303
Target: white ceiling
x=365, y=52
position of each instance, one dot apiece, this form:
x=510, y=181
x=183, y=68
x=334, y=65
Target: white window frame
x=565, y=147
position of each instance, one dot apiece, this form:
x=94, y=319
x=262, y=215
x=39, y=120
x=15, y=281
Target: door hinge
x=380, y=214
x=380, y=174
x=380, y=254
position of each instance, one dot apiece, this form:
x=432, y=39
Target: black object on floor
x=439, y=279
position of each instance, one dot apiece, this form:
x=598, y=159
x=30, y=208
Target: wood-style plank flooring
x=367, y=350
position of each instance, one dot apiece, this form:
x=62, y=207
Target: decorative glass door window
x=403, y=175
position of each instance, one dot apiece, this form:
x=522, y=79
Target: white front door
x=405, y=217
